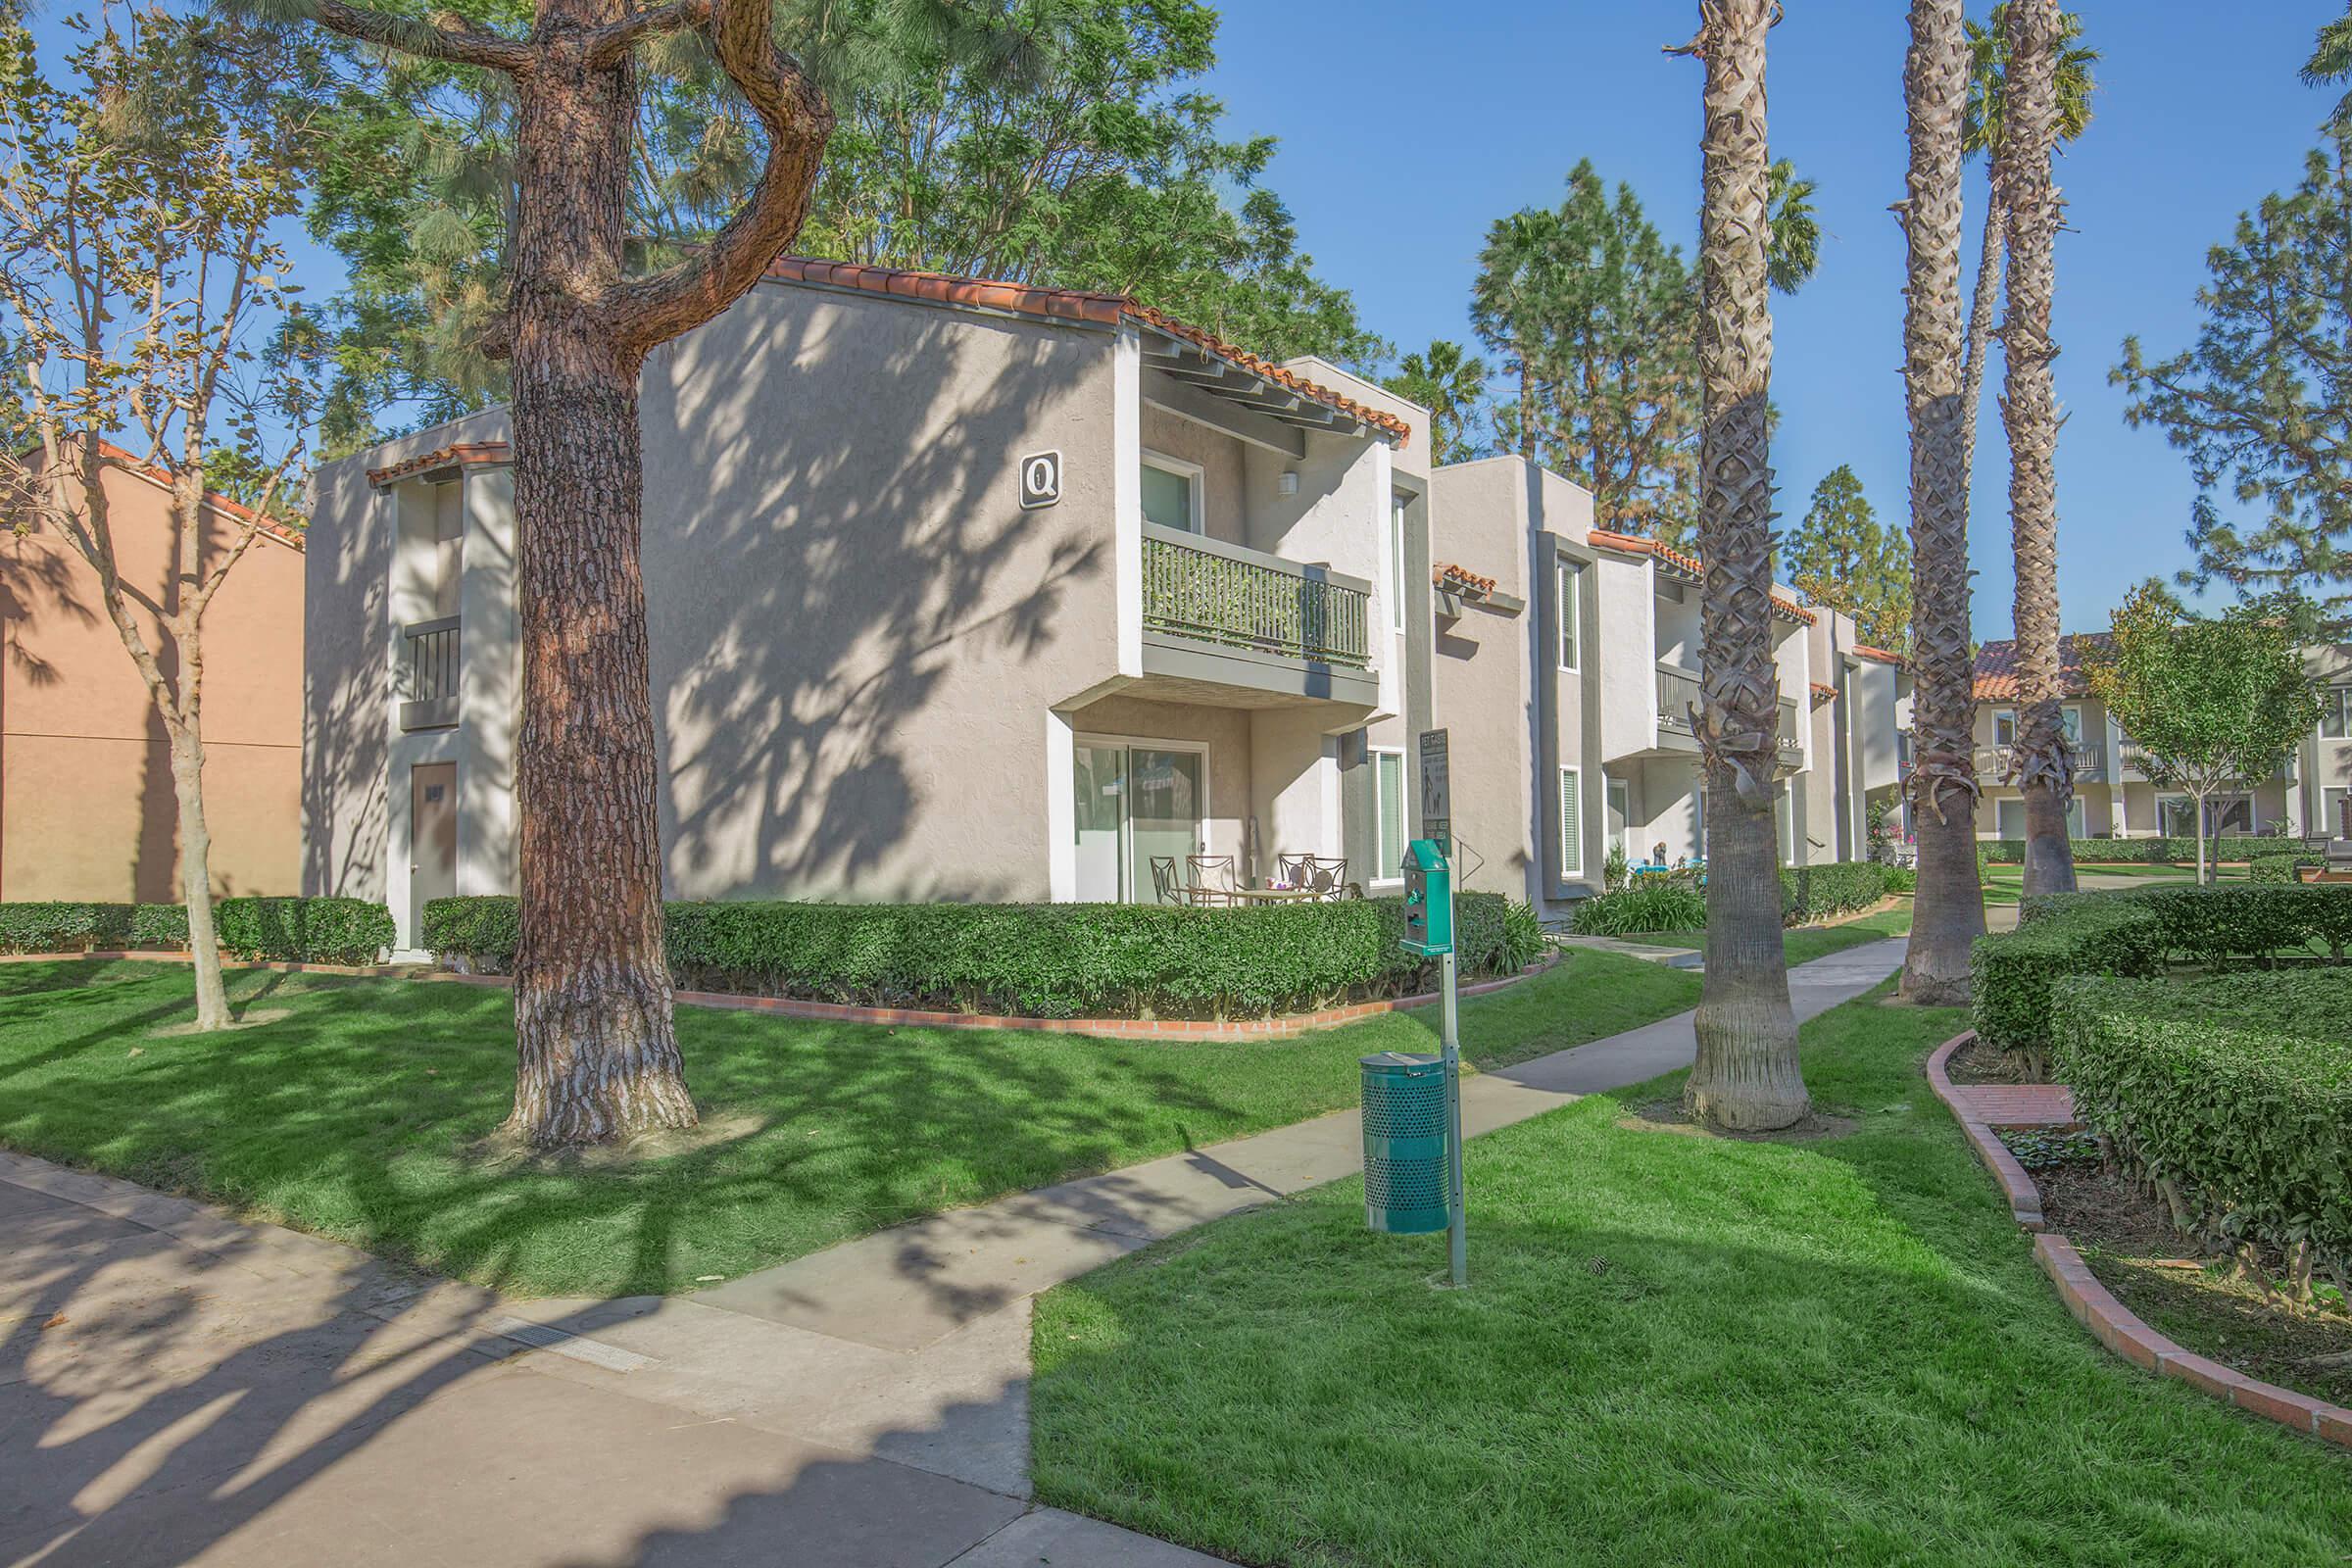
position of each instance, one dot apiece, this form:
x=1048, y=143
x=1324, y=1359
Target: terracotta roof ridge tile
x=214, y=499
x=1066, y=303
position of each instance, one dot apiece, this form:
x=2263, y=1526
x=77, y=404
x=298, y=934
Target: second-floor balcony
x=1678, y=694
x=2090, y=763
x=1240, y=616
x=428, y=674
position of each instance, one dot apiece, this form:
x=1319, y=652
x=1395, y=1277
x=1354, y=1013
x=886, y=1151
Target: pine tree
x=1841, y=556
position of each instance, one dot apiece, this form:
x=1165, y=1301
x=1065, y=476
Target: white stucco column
x=1061, y=831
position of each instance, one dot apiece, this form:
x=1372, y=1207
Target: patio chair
x=1164, y=885
x=1210, y=878
x=1325, y=876
x=1295, y=870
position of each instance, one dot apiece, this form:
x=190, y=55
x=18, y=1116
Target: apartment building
x=1565, y=666
x=957, y=590
x=2114, y=795
x=87, y=809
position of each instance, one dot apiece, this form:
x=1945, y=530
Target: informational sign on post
x=1437, y=791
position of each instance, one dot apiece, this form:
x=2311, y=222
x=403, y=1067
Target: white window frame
x=1395, y=877
x=1613, y=788
x=2336, y=708
x=1568, y=599
x=1572, y=834
x=1999, y=714
x=2075, y=709
x=1195, y=482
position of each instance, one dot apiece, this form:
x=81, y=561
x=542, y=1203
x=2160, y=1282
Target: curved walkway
x=178, y=1387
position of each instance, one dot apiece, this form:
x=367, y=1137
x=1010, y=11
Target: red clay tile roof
x=141, y=468
x=1449, y=575
x=1865, y=651
x=464, y=452
x=1996, y=666
x=1824, y=694
x=1065, y=305
x=1635, y=544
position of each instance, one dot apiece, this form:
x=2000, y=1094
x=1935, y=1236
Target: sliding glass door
x=1136, y=803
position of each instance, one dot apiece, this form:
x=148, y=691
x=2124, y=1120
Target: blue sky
x=1406, y=127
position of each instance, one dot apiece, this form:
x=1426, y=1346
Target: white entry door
x=1136, y=803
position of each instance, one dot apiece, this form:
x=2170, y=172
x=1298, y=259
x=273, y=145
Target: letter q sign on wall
x=1041, y=479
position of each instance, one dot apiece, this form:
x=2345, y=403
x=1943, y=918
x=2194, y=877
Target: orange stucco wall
x=86, y=806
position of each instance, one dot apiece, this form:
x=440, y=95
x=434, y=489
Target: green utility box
x=1404, y=1142
x=1428, y=901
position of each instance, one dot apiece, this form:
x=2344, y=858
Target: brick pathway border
x=1170, y=1029
x=2095, y=1307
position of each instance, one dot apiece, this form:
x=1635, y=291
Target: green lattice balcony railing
x=1219, y=593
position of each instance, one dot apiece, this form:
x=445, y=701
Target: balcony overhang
x=1271, y=406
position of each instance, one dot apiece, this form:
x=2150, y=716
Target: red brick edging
x=2095, y=1307
x=897, y=1018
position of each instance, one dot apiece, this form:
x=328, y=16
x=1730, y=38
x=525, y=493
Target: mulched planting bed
x=2128, y=1240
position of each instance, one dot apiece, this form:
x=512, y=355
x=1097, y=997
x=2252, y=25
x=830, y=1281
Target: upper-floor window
x=1399, y=499
x=1172, y=493
x=2336, y=712
x=1568, y=583
x=2005, y=726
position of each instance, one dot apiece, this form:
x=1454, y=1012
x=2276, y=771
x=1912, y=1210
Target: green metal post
x=1457, y=1228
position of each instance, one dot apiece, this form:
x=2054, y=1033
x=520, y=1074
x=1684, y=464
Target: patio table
x=1274, y=896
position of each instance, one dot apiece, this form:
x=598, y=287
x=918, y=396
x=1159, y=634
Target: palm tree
x=2331, y=61
x=1451, y=384
x=1793, y=250
x=1949, y=905
x=1981, y=132
x=1746, y=1076
x=1515, y=271
x=2041, y=763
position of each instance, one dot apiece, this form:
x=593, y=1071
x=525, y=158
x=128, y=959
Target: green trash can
x=1404, y=1142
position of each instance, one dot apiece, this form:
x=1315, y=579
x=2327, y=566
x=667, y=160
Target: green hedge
x=2277, y=867
x=2014, y=974
x=1810, y=893
x=2234, y=1090
x=1040, y=960
x=2138, y=852
x=277, y=930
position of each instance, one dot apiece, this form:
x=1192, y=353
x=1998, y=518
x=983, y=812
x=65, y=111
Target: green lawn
x=1674, y=1350
x=2005, y=883
x=1808, y=942
x=358, y=1116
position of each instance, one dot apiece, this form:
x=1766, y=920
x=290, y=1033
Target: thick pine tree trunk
x=196, y=876
x=1949, y=907
x=1746, y=1076
x=597, y=1050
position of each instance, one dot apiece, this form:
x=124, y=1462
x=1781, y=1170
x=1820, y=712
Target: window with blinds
x=1572, y=826
x=1389, y=794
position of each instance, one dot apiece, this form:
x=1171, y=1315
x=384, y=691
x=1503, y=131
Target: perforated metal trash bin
x=1404, y=1142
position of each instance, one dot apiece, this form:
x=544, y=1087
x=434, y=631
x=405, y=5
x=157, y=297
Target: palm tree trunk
x=597, y=1053
x=1979, y=332
x=196, y=875
x=2041, y=761
x=1746, y=1076
x=1949, y=905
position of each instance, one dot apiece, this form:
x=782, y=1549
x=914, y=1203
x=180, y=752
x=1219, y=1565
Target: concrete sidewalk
x=177, y=1387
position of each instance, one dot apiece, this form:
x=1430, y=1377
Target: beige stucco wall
x=86, y=803
x=1480, y=675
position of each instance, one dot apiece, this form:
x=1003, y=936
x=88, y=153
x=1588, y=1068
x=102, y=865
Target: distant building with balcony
x=2114, y=794
x=1565, y=665
x=955, y=590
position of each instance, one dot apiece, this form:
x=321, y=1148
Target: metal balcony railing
x=1214, y=592
x=428, y=685
x=1678, y=694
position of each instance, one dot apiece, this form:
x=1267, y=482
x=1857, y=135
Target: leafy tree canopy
x=2213, y=703
x=1594, y=319
x=1841, y=555
x=1059, y=142
x=2261, y=404
x=1451, y=384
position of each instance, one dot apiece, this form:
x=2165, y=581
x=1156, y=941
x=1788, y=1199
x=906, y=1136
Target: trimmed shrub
x=1902, y=879
x=1810, y=893
x=1651, y=905
x=2276, y=868
x=2235, y=1093
x=280, y=930
x=63, y=927
x=2137, y=850
x=1039, y=960
x=2013, y=974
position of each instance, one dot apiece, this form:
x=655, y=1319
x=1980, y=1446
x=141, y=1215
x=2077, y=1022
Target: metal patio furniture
x=1210, y=878
x=1164, y=884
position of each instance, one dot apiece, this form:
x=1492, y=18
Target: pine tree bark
x=1949, y=905
x=2041, y=763
x=596, y=1045
x=1746, y=1076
